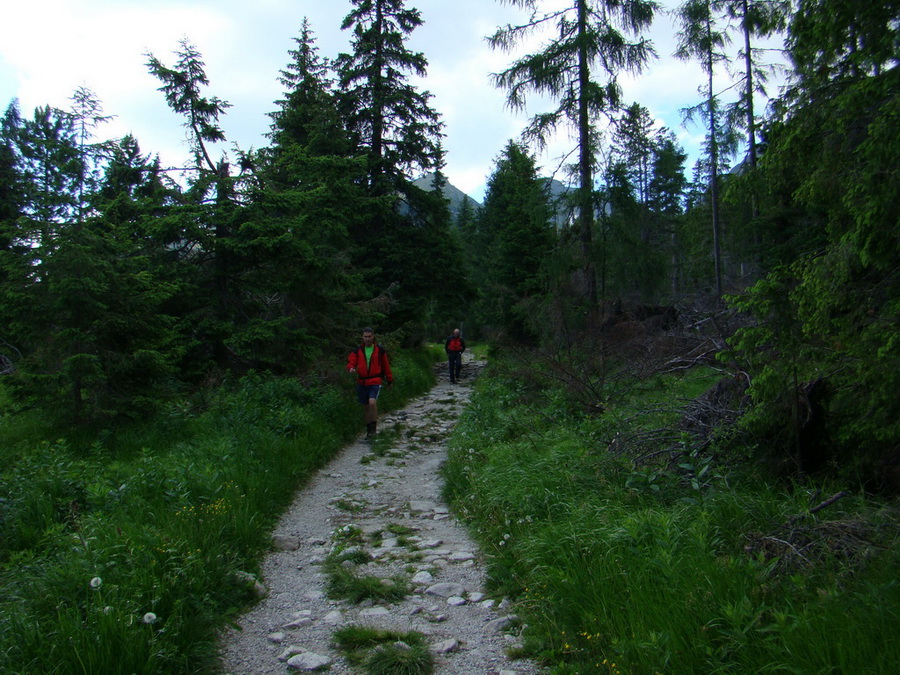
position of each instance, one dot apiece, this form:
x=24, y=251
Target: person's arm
x=351, y=361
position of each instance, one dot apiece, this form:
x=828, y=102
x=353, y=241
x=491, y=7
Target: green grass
x=345, y=584
x=655, y=569
x=167, y=515
x=386, y=439
x=383, y=652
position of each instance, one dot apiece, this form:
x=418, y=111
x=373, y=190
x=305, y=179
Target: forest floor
x=383, y=499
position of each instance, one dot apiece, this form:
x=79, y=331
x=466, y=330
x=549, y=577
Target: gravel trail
x=391, y=507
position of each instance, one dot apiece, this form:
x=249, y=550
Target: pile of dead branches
x=805, y=542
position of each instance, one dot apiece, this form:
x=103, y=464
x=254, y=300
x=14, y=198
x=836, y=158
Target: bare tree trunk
x=585, y=162
x=714, y=178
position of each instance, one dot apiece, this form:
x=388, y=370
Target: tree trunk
x=714, y=176
x=585, y=164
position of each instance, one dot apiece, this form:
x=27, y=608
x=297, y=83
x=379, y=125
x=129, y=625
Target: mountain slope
x=453, y=194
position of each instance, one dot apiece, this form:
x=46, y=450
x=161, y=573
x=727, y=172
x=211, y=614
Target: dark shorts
x=365, y=392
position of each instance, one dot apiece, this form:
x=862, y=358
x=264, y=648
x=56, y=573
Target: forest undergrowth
x=129, y=551
x=636, y=544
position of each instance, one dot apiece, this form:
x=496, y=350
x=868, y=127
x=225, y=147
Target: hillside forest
x=172, y=339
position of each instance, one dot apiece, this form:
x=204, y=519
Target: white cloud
x=49, y=48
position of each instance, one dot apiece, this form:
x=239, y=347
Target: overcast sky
x=49, y=48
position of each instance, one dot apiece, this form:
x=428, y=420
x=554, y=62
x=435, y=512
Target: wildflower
x=149, y=617
x=96, y=582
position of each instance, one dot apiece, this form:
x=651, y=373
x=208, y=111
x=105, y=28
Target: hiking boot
x=371, y=428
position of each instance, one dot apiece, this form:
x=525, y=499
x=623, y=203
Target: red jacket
x=378, y=369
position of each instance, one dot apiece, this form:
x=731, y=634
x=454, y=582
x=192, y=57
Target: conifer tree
x=393, y=126
x=701, y=39
x=667, y=189
x=514, y=239
x=390, y=120
x=87, y=114
x=579, y=68
x=643, y=188
x=304, y=201
x=756, y=19
x=12, y=207
x=79, y=302
x=633, y=142
x=211, y=193
x=51, y=173
x=12, y=198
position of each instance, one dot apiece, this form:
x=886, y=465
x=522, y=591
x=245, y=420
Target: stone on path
x=423, y=577
x=308, y=661
x=462, y=556
x=285, y=542
x=446, y=590
x=445, y=646
x=333, y=618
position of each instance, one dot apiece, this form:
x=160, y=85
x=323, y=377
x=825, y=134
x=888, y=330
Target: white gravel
x=468, y=630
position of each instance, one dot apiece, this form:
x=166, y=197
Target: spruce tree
x=12, y=208
x=390, y=120
x=514, y=239
x=756, y=19
x=579, y=68
x=701, y=39
x=393, y=126
x=79, y=302
x=211, y=195
x=667, y=192
x=12, y=198
x=306, y=198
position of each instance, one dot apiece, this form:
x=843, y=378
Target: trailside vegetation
x=130, y=552
x=632, y=543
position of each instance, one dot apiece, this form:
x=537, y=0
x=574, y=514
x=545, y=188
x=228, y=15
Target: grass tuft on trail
x=384, y=652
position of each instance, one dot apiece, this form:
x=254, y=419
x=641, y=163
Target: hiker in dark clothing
x=455, y=346
x=370, y=363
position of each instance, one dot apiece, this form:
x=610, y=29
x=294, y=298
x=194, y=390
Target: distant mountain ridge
x=451, y=193
x=456, y=197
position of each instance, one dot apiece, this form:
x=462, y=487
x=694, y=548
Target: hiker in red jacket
x=369, y=362
x=454, y=346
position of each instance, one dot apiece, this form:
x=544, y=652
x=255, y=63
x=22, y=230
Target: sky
x=50, y=48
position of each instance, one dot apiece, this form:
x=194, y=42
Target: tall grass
x=129, y=552
x=623, y=569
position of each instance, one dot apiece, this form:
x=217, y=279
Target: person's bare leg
x=371, y=417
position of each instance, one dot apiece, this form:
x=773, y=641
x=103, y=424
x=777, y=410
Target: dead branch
x=828, y=502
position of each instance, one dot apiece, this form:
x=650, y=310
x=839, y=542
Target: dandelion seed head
x=149, y=617
x=96, y=582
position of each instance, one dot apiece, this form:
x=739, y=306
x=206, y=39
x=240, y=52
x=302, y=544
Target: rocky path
x=383, y=500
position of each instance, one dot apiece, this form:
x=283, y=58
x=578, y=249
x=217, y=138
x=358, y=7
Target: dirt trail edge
x=389, y=507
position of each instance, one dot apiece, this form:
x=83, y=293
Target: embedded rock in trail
x=379, y=504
